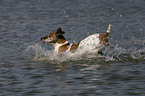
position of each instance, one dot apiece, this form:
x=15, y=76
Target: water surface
x=119, y=72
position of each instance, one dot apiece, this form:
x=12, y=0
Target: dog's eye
x=48, y=35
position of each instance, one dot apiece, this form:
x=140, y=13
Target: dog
x=92, y=42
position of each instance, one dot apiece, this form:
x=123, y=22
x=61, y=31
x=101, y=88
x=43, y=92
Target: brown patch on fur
x=59, y=38
x=74, y=47
x=55, y=37
x=103, y=38
x=63, y=48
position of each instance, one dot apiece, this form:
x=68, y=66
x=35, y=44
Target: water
x=29, y=68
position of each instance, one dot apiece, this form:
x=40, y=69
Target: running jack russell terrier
x=92, y=42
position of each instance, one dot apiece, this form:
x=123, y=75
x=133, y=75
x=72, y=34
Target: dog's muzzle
x=43, y=39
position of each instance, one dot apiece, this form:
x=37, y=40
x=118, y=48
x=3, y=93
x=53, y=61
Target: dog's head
x=54, y=37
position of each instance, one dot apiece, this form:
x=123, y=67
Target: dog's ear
x=59, y=31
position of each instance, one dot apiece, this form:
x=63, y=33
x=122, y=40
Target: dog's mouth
x=44, y=40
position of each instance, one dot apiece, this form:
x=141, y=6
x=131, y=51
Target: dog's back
x=95, y=41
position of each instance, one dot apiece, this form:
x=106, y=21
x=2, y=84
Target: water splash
x=39, y=53
x=112, y=53
x=116, y=53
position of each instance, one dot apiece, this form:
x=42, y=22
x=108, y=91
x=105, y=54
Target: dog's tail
x=108, y=30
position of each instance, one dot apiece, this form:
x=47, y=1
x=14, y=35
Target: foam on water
x=40, y=53
x=116, y=53
x=112, y=53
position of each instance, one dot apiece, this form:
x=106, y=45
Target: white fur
x=56, y=46
x=68, y=50
x=90, y=44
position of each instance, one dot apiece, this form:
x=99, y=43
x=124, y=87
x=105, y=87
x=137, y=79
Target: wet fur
x=59, y=42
